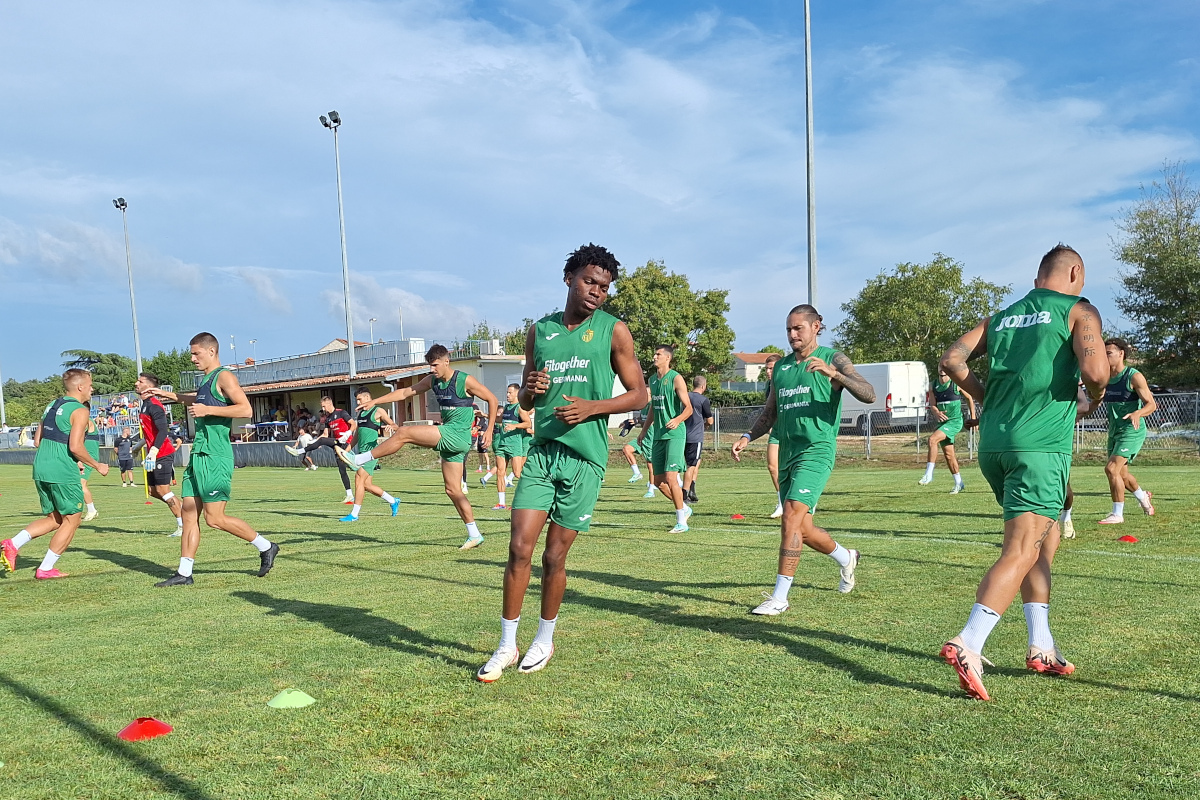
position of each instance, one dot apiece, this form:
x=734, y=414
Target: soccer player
x=641, y=447
x=125, y=445
x=804, y=409
x=511, y=443
x=92, y=443
x=773, y=443
x=485, y=455
x=367, y=424
x=571, y=358
x=701, y=417
x=1129, y=401
x=456, y=393
x=1037, y=349
x=60, y=450
x=670, y=406
x=335, y=426
x=160, y=458
x=208, y=477
x=945, y=406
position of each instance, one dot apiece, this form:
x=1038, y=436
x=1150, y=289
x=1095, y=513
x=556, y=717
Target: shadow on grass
x=110, y=744
x=668, y=588
x=361, y=624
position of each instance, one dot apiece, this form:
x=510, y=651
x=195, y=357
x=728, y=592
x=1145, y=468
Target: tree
x=660, y=308
x=915, y=312
x=1160, y=242
x=770, y=348
x=111, y=372
x=26, y=400
x=167, y=367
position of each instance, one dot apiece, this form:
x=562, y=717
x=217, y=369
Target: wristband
x=747, y=436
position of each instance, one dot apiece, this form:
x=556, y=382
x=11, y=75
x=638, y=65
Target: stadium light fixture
x=332, y=123
x=373, y=320
x=123, y=207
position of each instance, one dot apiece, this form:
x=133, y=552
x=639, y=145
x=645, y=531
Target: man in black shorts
x=125, y=445
x=701, y=418
x=160, y=457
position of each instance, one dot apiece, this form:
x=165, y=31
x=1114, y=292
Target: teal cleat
x=396, y=506
x=349, y=518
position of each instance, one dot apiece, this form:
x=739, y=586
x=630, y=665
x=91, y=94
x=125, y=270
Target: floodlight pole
x=3, y=417
x=333, y=123
x=122, y=206
x=812, y=192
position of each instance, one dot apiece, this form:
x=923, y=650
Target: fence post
x=716, y=430
x=919, y=409
x=868, y=442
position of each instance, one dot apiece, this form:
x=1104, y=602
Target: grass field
x=662, y=686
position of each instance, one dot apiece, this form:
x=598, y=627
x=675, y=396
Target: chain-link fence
x=1175, y=425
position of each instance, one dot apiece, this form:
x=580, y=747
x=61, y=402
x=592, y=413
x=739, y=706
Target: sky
x=484, y=141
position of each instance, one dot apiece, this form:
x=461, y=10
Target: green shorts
x=951, y=427
x=559, y=481
x=366, y=447
x=803, y=474
x=454, y=444
x=644, y=448
x=667, y=455
x=1028, y=482
x=65, y=498
x=1127, y=443
x=209, y=479
x=93, y=448
x=512, y=445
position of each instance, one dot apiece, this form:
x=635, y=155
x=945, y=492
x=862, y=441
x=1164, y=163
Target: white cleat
x=91, y=515
x=1067, y=527
x=958, y=487
x=1147, y=507
x=464, y=487
x=925, y=481
x=296, y=451
x=771, y=607
x=178, y=532
x=846, y=584
x=471, y=543
x=778, y=512
x=508, y=482
x=1113, y=519
x=536, y=657
x=649, y=493
x=501, y=660
x=635, y=479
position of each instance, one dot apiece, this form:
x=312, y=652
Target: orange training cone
x=144, y=728
x=737, y=516
x=1127, y=538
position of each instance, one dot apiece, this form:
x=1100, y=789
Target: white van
x=900, y=388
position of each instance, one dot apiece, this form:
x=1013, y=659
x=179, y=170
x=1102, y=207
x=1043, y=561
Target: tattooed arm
x=1088, y=343
x=971, y=344
x=843, y=375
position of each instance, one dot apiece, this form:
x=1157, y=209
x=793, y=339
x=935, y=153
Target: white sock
x=179, y=522
x=387, y=498
x=91, y=506
x=501, y=496
x=354, y=509
x=979, y=627
x=261, y=544
x=783, y=585
x=637, y=473
x=958, y=479
x=1141, y=496
x=508, y=633
x=649, y=487
x=679, y=479
x=681, y=516
x=349, y=494
x=1119, y=509
x=185, y=567
x=50, y=560
x=362, y=458
x=486, y=477
x=929, y=465
x=473, y=531
x=21, y=539
x=1065, y=516
x=841, y=555
x=545, y=634
x=1037, y=619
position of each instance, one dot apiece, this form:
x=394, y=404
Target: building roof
x=334, y=380
x=752, y=358
x=340, y=344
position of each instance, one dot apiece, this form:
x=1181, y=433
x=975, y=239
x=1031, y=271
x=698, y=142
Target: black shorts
x=477, y=443
x=126, y=464
x=164, y=471
x=691, y=453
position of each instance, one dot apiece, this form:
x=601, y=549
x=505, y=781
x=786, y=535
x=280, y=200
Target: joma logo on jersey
x=562, y=366
x=1024, y=320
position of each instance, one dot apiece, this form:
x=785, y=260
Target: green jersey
x=456, y=406
x=948, y=399
x=212, y=433
x=53, y=462
x=1033, y=383
x=510, y=415
x=368, y=429
x=579, y=363
x=1121, y=399
x=808, y=408
x=667, y=406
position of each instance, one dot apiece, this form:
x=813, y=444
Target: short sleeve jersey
x=808, y=408
x=667, y=406
x=1121, y=399
x=1033, y=380
x=579, y=363
x=212, y=433
x=948, y=399
x=53, y=462
x=701, y=410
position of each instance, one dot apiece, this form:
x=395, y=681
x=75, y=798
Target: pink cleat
x=499, y=507
x=1113, y=519
x=1148, y=509
x=49, y=574
x=8, y=555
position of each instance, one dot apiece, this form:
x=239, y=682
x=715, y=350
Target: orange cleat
x=1048, y=662
x=969, y=667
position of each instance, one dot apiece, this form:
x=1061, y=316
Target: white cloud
x=433, y=320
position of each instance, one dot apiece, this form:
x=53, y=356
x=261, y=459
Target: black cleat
x=267, y=560
x=691, y=497
x=176, y=580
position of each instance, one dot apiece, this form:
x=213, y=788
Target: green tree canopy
x=1160, y=243
x=24, y=401
x=111, y=372
x=660, y=308
x=770, y=348
x=915, y=312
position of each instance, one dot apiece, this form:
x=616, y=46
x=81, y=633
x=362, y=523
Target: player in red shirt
x=336, y=429
x=160, y=457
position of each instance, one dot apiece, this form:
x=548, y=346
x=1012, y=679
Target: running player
x=1129, y=401
x=1036, y=348
x=511, y=443
x=208, y=477
x=670, y=406
x=367, y=424
x=456, y=393
x=160, y=458
x=60, y=450
x=641, y=447
x=805, y=411
x=335, y=428
x=91, y=443
x=571, y=358
x=696, y=423
x=945, y=406
x=773, y=443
